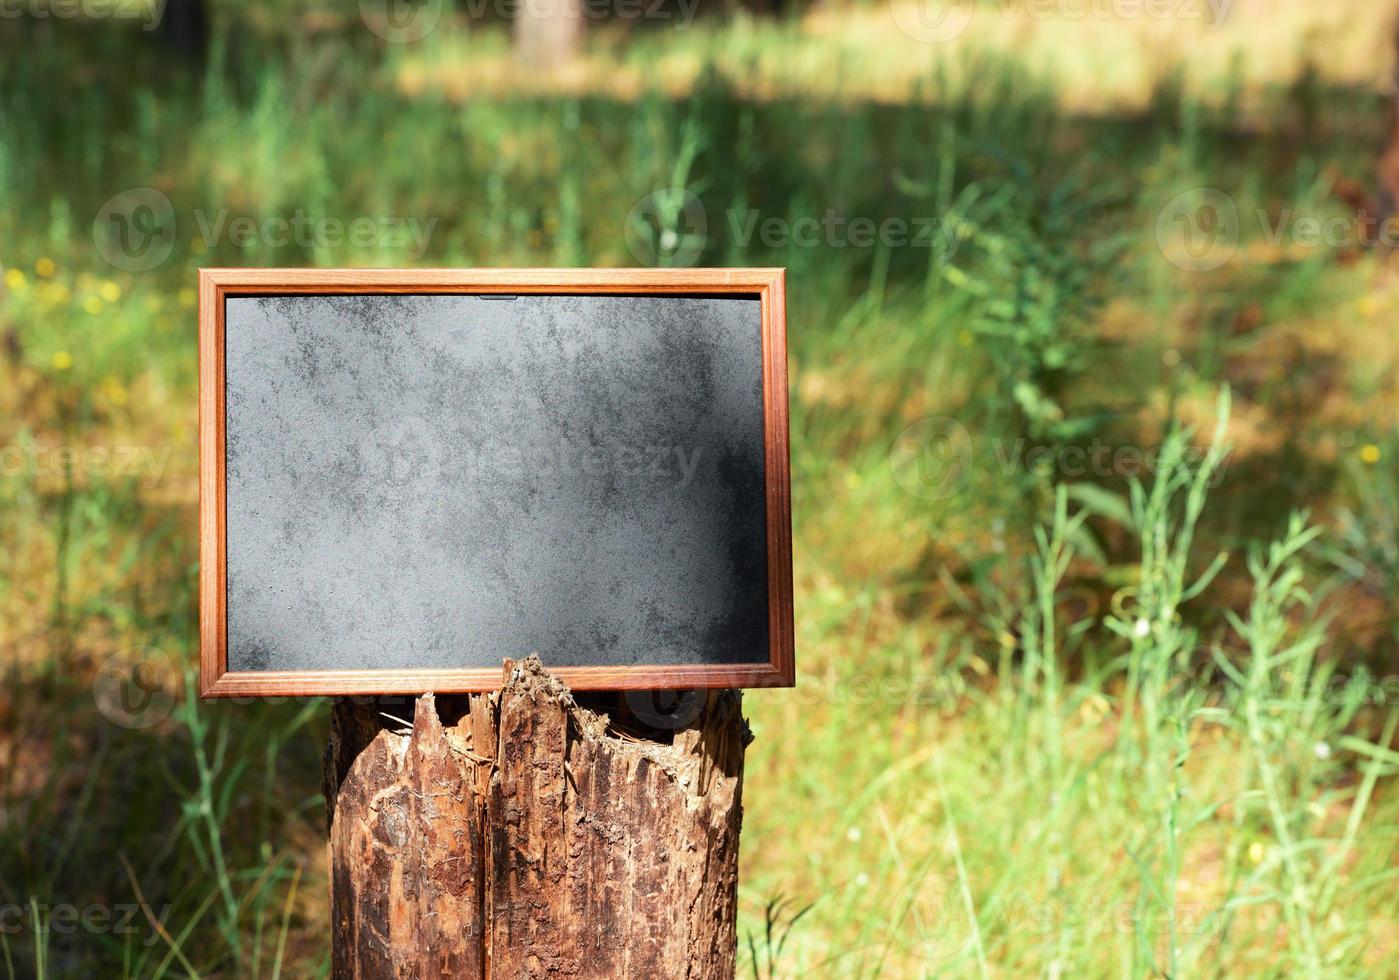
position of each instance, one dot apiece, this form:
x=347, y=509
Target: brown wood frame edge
x=769, y=285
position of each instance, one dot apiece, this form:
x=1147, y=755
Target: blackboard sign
x=408, y=476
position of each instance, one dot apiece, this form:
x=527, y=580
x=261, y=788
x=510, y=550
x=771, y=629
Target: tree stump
x=529, y=836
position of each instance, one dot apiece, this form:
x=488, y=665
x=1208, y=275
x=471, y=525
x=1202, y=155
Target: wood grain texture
x=406, y=840
x=545, y=845
x=362, y=682
x=213, y=591
x=215, y=285
x=255, y=282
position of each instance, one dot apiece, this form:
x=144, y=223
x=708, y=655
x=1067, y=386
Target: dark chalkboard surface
x=417, y=483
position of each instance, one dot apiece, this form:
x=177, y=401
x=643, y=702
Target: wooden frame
x=768, y=285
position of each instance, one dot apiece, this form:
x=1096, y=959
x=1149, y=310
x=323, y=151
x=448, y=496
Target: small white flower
x=1322, y=750
x=862, y=879
x=1142, y=629
x=853, y=834
x=669, y=239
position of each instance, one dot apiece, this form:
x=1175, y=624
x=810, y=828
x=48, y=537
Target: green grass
x=1055, y=715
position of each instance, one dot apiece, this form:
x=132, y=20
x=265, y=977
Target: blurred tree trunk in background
x=548, y=32
x=184, y=29
x=766, y=8
x=1389, y=159
x=1376, y=202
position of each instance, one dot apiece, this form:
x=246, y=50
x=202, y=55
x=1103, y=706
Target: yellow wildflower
x=14, y=280
x=1370, y=454
x=92, y=305
x=62, y=361
x=109, y=291
x=44, y=267
x=114, y=390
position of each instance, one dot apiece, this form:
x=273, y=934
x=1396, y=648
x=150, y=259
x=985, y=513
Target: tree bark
x=526, y=836
x=184, y=30
x=548, y=33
